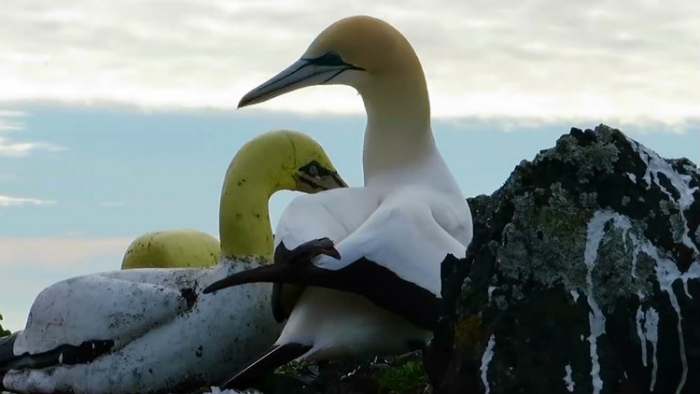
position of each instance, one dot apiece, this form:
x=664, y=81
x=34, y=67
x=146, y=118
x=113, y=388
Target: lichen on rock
x=585, y=271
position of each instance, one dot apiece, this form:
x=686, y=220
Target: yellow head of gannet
x=278, y=160
x=373, y=57
x=360, y=51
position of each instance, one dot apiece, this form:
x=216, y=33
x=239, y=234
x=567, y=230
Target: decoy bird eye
x=313, y=170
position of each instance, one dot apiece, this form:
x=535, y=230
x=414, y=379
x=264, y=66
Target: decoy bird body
x=151, y=330
x=399, y=227
x=172, y=249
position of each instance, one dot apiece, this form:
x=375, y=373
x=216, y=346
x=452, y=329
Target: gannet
x=381, y=244
x=172, y=249
x=151, y=330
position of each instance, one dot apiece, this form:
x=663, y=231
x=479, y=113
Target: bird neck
x=244, y=220
x=398, y=133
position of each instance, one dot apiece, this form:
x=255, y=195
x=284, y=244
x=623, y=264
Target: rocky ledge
x=584, y=277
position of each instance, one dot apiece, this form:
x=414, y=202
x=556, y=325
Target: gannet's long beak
x=304, y=72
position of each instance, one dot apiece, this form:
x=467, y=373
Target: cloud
x=11, y=121
x=31, y=264
x=57, y=252
x=8, y=201
x=22, y=149
x=625, y=59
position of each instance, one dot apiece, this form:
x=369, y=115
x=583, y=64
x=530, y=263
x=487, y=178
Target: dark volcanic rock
x=585, y=277
x=3, y=332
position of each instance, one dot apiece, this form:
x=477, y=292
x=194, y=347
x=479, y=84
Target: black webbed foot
x=305, y=252
x=289, y=266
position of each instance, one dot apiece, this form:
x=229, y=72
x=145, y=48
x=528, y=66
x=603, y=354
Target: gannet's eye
x=332, y=59
x=328, y=59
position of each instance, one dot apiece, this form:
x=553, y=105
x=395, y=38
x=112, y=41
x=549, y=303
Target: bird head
x=355, y=51
x=313, y=171
x=281, y=160
x=274, y=161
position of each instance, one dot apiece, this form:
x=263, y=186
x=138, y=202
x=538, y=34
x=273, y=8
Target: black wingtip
x=273, y=358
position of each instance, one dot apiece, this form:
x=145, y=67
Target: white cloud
x=46, y=252
x=625, y=59
x=31, y=264
x=11, y=121
x=22, y=149
x=8, y=201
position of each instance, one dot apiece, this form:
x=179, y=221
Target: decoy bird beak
x=303, y=73
x=315, y=184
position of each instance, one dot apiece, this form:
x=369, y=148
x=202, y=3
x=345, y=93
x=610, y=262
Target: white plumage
x=407, y=218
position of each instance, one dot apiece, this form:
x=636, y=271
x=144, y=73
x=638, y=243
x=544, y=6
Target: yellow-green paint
x=263, y=166
x=173, y=248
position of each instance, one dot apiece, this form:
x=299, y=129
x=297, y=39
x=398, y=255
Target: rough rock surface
x=3, y=332
x=585, y=277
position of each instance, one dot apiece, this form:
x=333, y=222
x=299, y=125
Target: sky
x=118, y=119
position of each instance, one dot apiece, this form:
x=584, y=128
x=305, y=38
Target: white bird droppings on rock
x=485, y=360
x=568, y=380
x=216, y=390
x=651, y=334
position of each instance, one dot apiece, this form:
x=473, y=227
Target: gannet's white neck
x=398, y=135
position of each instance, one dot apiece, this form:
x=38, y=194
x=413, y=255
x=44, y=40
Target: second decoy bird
x=369, y=257
x=152, y=330
x=181, y=248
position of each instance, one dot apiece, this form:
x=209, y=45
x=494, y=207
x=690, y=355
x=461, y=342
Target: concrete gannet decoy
x=172, y=249
x=151, y=330
x=381, y=244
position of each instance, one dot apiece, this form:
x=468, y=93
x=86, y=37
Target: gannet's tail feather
x=278, y=355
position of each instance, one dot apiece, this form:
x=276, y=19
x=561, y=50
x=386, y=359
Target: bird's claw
x=304, y=253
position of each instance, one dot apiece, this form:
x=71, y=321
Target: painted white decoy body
x=409, y=215
x=159, y=341
x=167, y=336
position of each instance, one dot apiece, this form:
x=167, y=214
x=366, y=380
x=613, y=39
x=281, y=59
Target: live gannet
x=390, y=236
x=151, y=330
x=172, y=249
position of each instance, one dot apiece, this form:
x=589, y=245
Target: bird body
x=151, y=330
x=158, y=337
x=379, y=290
x=172, y=249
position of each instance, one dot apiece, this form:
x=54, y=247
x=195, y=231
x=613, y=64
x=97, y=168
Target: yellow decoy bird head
x=274, y=161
